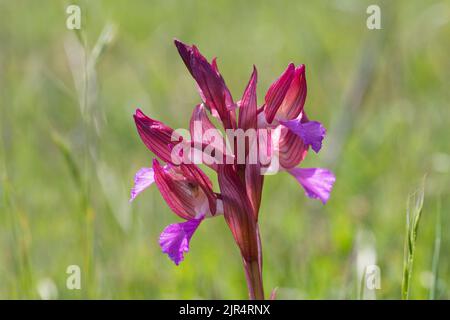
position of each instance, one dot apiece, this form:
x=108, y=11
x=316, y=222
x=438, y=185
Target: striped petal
x=158, y=137
x=295, y=97
x=277, y=92
x=291, y=149
x=248, y=104
x=186, y=190
x=213, y=91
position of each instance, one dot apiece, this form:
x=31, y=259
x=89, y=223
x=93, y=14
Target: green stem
x=407, y=270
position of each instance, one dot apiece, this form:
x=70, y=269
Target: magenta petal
x=254, y=181
x=213, y=90
x=174, y=240
x=312, y=132
x=294, y=99
x=248, y=105
x=186, y=189
x=158, y=137
x=277, y=92
x=142, y=180
x=317, y=182
x=176, y=190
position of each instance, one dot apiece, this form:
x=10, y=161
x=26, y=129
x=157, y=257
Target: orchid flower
x=185, y=188
x=283, y=111
x=188, y=191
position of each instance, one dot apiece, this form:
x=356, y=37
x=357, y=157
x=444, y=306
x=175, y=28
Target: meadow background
x=69, y=148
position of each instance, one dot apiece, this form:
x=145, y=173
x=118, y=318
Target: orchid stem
x=253, y=271
x=254, y=280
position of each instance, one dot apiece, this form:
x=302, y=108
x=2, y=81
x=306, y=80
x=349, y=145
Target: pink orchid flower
x=187, y=189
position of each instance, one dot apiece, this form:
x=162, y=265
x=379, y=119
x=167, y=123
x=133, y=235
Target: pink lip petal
x=174, y=240
x=142, y=180
x=311, y=132
x=317, y=182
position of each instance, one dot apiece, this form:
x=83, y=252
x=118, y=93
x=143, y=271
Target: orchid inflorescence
x=280, y=128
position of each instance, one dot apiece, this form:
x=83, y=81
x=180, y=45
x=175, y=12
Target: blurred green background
x=69, y=149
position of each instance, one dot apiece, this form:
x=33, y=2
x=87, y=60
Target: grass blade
x=413, y=215
x=436, y=253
